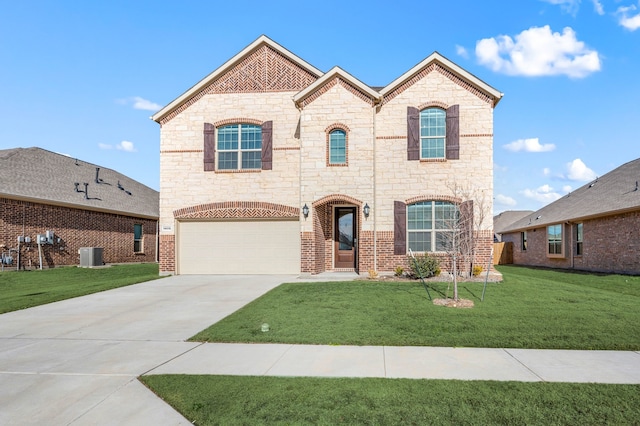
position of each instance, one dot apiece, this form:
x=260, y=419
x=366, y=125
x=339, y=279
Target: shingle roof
x=615, y=192
x=39, y=175
x=505, y=219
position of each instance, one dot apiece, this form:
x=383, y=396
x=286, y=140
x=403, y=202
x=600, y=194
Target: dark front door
x=345, y=237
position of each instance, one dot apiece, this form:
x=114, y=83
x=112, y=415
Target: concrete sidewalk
x=76, y=362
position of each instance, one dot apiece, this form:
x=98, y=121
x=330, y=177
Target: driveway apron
x=75, y=362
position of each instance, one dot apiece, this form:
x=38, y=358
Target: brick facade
x=73, y=228
x=610, y=244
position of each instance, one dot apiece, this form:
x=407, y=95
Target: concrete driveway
x=76, y=361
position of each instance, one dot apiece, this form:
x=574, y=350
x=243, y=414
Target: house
x=269, y=165
x=594, y=228
x=51, y=205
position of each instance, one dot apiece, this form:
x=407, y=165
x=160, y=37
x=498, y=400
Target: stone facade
x=74, y=228
x=304, y=108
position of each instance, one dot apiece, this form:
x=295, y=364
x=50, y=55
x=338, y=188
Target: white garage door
x=239, y=247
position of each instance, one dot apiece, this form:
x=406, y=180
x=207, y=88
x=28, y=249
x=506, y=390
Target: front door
x=344, y=239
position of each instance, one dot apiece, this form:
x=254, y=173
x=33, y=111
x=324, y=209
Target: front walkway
x=77, y=361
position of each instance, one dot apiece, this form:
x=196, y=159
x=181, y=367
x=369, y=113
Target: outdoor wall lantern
x=366, y=210
x=305, y=211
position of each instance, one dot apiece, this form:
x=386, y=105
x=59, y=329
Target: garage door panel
x=239, y=247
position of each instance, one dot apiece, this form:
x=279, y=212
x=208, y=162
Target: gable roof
x=220, y=71
x=502, y=220
x=41, y=176
x=616, y=192
x=436, y=59
x=337, y=72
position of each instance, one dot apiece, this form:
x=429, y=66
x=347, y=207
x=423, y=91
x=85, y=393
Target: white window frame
x=555, y=241
x=330, y=147
x=239, y=151
x=435, y=243
x=433, y=138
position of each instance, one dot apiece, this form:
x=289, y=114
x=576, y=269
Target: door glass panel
x=345, y=228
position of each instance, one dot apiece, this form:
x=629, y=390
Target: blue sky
x=83, y=78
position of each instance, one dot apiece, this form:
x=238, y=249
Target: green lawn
x=25, y=289
x=238, y=400
x=531, y=308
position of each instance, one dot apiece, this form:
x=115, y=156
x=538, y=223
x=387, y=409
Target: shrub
x=429, y=266
x=373, y=274
x=399, y=271
x=477, y=270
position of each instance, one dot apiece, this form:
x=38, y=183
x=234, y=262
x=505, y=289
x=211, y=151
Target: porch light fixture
x=305, y=211
x=366, y=210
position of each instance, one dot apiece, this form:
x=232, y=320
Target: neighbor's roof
x=616, y=192
x=503, y=220
x=41, y=176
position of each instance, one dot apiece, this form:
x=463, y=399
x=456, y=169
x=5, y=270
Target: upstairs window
x=432, y=133
x=338, y=147
x=239, y=147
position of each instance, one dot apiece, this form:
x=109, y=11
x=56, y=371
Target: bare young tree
x=459, y=225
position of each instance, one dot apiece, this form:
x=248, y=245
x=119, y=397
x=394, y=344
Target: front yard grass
x=238, y=400
x=26, y=289
x=531, y=308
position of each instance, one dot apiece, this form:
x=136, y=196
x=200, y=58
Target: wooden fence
x=503, y=253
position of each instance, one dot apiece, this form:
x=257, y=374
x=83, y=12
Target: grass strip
x=26, y=289
x=243, y=400
x=531, y=308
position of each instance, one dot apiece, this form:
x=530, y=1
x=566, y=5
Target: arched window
x=431, y=225
x=337, y=147
x=432, y=133
x=239, y=147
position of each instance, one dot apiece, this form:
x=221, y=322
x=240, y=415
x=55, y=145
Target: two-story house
x=269, y=165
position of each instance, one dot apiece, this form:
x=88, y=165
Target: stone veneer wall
x=75, y=228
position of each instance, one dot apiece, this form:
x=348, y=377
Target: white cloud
x=538, y=52
x=498, y=168
x=569, y=6
x=104, y=146
x=529, y=145
x=462, y=51
x=505, y=200
x=628, y=17
x=126, y=146
x=566, y=188
x=140, y=103
x=577, y=170
x=546, y=171
x=544, y=194
x=597, y=6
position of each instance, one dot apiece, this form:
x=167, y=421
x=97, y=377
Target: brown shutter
x=209, y=147
x=399, y=227
x=453, y=132
x=413, y=134
x=267, y=145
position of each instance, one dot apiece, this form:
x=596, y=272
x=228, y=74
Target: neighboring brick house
x=80, y=204
x=594, y=228
x=269, y=165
